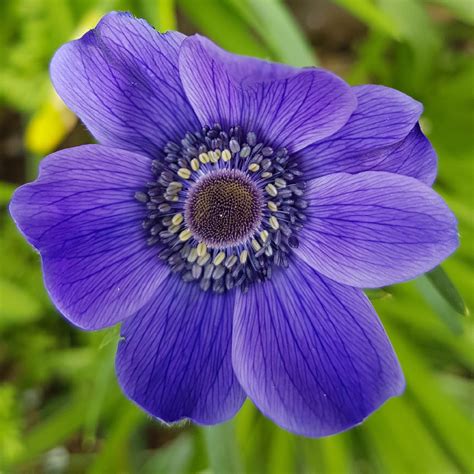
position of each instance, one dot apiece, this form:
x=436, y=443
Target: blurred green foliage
x=60, y=407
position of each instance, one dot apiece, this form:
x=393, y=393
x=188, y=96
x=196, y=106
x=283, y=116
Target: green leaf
x=335, y=453
x=166, y=15
x=103, y=381
x=272, y=21
x=419, y=452
x=10, y=439
x=112, y=335
x=251, y=438
x=281, y=452
x=418, y=31
x=53, y=430
x=443, y=284
x=222, y=449
x=439, y=305
x=444, y=417
x=159, y=13
x=427, y=331
x=17, y=306
x=377, y=293
x=172, y=458
x=115, y=451
x=372, y=15
x=464, y=9
x=6, y=192
x=216, y=20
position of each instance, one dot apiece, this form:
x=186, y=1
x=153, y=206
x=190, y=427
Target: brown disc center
x=224, y=208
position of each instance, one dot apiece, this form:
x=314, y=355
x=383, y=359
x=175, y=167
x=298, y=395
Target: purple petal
x=82, y=217
x=413, y=156
x=375, y=228
x=293, y=109
x=175, y=358
x=311, y=353
x=383, y=118
x=246, y=70
x=122, y=80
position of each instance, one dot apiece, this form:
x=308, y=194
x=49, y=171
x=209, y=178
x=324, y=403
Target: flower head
x=230, y=218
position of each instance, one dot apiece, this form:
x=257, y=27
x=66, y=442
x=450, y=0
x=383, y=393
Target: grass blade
x=445, y=287
x=278, y=29
x=216, y=20
x=372, y=15
x=221, y=448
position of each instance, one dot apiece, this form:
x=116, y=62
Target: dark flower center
x=224, y=208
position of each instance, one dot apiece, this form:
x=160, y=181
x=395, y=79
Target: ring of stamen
x=223, y=208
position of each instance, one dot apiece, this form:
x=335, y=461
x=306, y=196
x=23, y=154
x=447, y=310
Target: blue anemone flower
x=229, y=219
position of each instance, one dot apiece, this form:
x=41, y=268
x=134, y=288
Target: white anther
x=184, y=173
x=186, y=234
x=243, y=256
x=213, y=156
x=255, y=245
x=272, y=206
x=177, y=219
x=280, y=183
x=195, y=164
x=193, y=255
x=219, y=258
x=273, y=221
x=204, y=158
x=201, y=249
x=226, y=155
x=271, y=190
x=204, y=259
x=174, y=186
x=174, y=228
x=231, y=261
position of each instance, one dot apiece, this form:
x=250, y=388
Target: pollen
x=184, y=173
x=226, y=155
x=244, y=256
x=280, y=183
x=174, y=187
x=214, y=156
x=204, y=158
x=185, y=235
x=255, y=245
x=273, y=221
x=177, y=219
x=193, y=255
x=204, y=259
x=271, y=190
x=219, y=258
x=272, y=206
x=195, y=164
x=230, y=261
x=201, y=249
